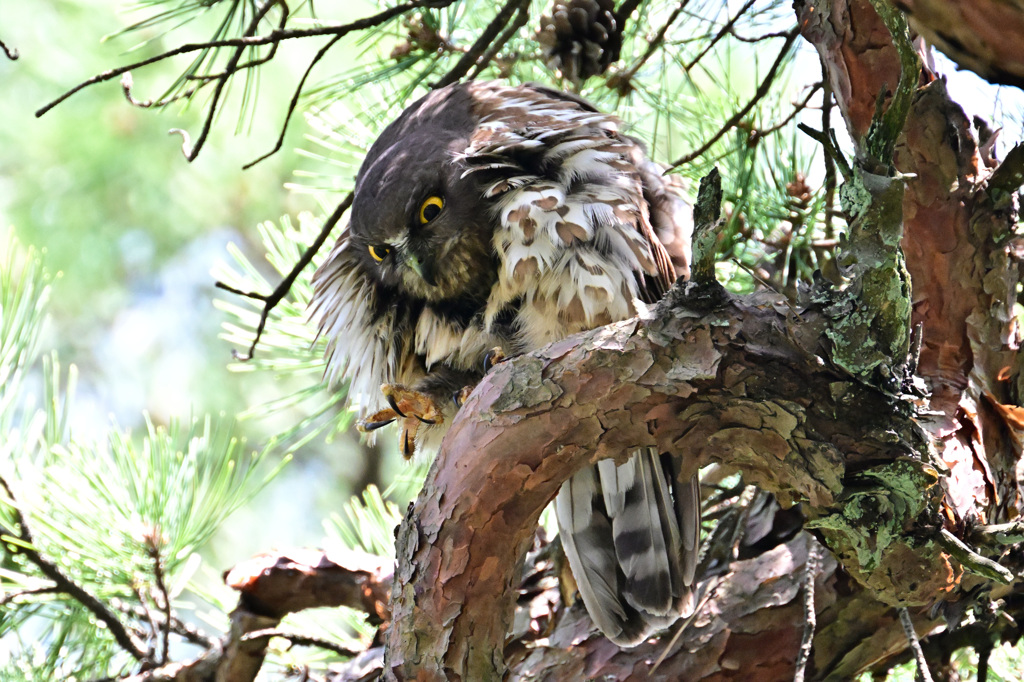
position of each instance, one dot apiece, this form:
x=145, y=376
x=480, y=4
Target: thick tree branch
x=711, y=378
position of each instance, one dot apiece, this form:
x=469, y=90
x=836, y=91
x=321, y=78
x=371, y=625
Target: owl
x=492, y=220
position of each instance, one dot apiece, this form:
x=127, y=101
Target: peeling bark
x=974, y=34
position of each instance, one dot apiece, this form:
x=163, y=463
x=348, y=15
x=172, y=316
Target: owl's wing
x=671, y=223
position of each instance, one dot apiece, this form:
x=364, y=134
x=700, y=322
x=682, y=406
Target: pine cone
x=580, y=38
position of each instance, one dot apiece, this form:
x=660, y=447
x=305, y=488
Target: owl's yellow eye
x=379, y=251
x=430, y=209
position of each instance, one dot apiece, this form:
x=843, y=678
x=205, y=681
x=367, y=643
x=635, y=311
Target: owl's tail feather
x=631, y=535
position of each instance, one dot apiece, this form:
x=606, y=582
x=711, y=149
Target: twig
x=709, y=593
x=762, y=90
x=724, y=31
x=923, y=673
x=178, y=627
x=622, y=81
x=64, y=584
x=271, y=300
x=810, y=617
x=147, y=615
x=10, y=52
x=830, y=164
x=973, y=561
x=301, y=640
x=520, y=20
x=758, y=39
x=827, y=140
x=797, y=108
x=222, y=82
x=1001, y=533
x=165, y=596
x=276, y=36
x=472, y=56
x=294, y=102
x=126, y=87
x=11, y=596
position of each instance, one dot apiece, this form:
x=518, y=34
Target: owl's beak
x=425, y=268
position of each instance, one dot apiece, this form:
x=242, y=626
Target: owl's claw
x=394, y=405
x=372, y=424
x=493, y=357
x=462, y=395
x=411, y=407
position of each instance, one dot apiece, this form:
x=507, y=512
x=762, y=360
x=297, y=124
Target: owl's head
x=419, y=227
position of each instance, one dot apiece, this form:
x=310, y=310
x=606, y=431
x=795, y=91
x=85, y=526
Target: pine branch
x=621, y=81
x=759, y=94
x=65, y=585
x=522, y=17
x=271, y=300
x=248, y=40
x=724, y=31
x=472, y=57
x=299, y=639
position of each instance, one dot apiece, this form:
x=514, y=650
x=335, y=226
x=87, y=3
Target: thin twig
x=271, y=300
x=923, y=673
x=274, y=37
x=11, y=53
x=758, y=39
x=762, y=90
x=810, y=617
x=710, y=592
x=188, y=632
x=12, y=596
x=64, y=584
x=165, y=597
x=293, y=105
x=301, y=640
x=797, y=108
x=830, y=164
x=229, y=70
x=520, y=20
x=150, y=618
x=489, y=35
x=126, y=87
x=623, y=80
x=724, y=31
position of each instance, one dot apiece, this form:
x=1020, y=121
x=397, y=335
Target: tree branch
x=65, y=585
x=489, y=35
x=248, y=40
x=711, y=378
x=759, y=94
x=271, y=300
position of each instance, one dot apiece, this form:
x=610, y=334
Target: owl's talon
x=411, y=407
x=493, y=357
x=366, y=425
x=394, y=406
x=462, y=395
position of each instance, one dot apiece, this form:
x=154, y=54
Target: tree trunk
x=812, y=401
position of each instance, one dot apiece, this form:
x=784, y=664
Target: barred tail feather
x=631, y=535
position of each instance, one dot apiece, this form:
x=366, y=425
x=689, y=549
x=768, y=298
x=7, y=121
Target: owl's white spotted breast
x=568, y=209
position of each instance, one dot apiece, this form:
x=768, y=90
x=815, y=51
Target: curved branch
x=710, y=378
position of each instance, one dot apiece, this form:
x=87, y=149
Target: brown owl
x=489, y=216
